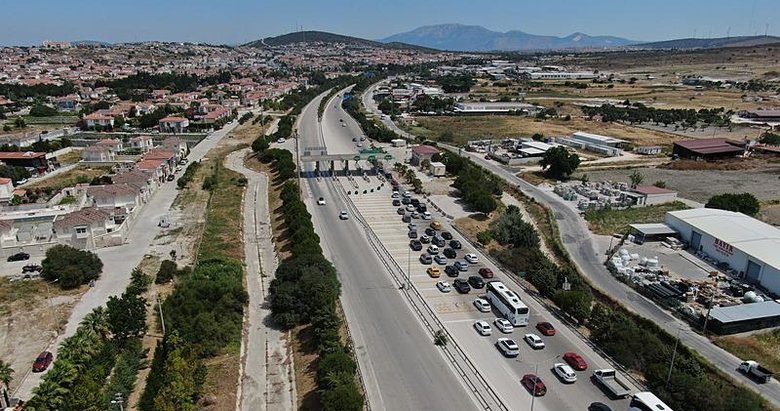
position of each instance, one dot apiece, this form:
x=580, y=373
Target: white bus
x=647, y=401
x=507, y=302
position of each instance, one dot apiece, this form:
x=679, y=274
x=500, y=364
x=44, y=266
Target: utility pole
x=674, y=354
x=159, y=308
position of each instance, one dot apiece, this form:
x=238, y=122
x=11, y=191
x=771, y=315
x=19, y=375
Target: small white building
x=648, y=150
x=438, y=169
x=6, y=189
x=749, y=246
x=651, y=195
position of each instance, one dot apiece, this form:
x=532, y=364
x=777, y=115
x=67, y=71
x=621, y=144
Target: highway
x=589, y=259
x=456, y=312
x=401, y=367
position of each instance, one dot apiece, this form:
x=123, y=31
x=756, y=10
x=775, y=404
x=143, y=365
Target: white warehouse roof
x=752, y=237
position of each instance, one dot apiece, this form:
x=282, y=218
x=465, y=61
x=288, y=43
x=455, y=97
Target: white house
x=6, y=189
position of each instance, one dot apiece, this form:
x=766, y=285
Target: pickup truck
x=754, y=370
x=608, y=378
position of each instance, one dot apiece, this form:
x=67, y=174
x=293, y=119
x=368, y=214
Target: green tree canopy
x=70, y=266
x=744, y=203
x=558, y=163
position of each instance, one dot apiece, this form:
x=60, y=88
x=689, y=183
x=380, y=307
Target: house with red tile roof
x=88, y=229
x=158, y=168
x=98, y=119
x=174, y=124
x=97, y=153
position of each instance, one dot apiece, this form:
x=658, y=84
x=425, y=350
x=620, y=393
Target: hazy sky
x=27, y=22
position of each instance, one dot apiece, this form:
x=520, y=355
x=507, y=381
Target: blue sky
x=27, y=22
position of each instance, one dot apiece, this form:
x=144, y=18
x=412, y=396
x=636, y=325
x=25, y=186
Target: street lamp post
x=118, y=400
x=48, y=290
x=674, y=354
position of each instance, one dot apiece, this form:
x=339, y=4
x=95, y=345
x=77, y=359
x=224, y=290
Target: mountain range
x=460, y=37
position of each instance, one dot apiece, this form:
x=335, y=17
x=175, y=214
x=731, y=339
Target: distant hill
x=312, y=37
x=739, y=41
x=459, y=37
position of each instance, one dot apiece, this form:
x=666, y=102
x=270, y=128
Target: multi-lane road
x=371, y=252
x=401, y=367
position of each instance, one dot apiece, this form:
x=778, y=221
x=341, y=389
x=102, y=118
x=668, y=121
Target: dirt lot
x=480, y=127
x=770, y=213
x=34, y=313
x=700, y=185
x=67, y=179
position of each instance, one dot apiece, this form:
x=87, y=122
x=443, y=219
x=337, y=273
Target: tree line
x=478, y=188
x=639, y=113
x=305, y=291
x=16, y=92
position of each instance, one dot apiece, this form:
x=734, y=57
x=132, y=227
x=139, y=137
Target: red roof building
x=707, y=149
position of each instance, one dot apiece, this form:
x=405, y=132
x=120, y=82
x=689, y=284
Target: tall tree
x=6, y=373
x=558, y=163
x=126, y=317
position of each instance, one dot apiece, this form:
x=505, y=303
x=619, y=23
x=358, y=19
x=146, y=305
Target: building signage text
x=723, y=247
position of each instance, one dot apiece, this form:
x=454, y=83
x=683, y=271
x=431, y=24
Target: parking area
x=458, y=313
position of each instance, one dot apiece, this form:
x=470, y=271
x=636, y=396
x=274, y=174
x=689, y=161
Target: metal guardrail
x=421, y=309
x=554, y=311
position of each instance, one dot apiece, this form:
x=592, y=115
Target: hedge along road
x=589, y=259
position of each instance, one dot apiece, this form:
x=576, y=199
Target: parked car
x=477, y=282
x=440, y=259
x=455, y=245
x=31, y=268
x=504, y=325
x=400, y=211
x=451, y=271
x=446, y=235
x=425, y=214
x=534, y=341
x=545, y=328
x=42, y=362
x=396, y=203
x=433, y=250
x=565, y=373
x=426, y=259
x=321, y=201
x=438, y=241
x=425, y=239
x=170, y=177
x=471, y=258
x=508, y=347
x=412, y=233
x=343, y=215
x=395, y=195
x=486, y=272
x=598, y=406
x=435, y=224
x=461, y=285
x=429, y=231
x=444, y=286
x=534, y=385
x=483, y=328
x=576, y=361
x=482, y=305
x=434, y=272
x=19, y=257
x=415, y=202
x=415, y=245
x=406, y=218
x=406, y=201
x=461, y=265
x=407, y=194
x=415, y=214
x=449, y=252
x=409, y=208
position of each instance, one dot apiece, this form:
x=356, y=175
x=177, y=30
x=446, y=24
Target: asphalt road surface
x=401, y=367
x=579, y=243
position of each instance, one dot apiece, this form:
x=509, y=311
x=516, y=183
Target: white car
x=508, y=347
x=344, y=215
x=471, y=258
x=534, y=341
x=433, y=250
x=503, y=325
x=483, y=328
x=410, y=208
x=426, y=216
x=444, y=286
x=407, y=194
x=482, y=305
x=280, y=140
x=565, y=372
x=321, y=201
x=395, y=194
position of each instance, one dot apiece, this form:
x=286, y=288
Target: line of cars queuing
x=441, y=247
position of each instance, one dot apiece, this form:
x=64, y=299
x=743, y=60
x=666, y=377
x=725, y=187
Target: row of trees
x=101, y=359
x=189, y=174
x=478, y=188
x=20, y=91
x=305, y=292
x=204, y=315
x=639, y=113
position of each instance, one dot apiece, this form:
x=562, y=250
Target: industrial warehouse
x=741, y=244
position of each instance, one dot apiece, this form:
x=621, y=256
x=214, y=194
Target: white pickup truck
x=754, y=370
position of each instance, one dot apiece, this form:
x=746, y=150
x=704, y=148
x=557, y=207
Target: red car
x=42, y=362
x=534, y=384
x=575, y=361
x=486, y=272
x=546, y=329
